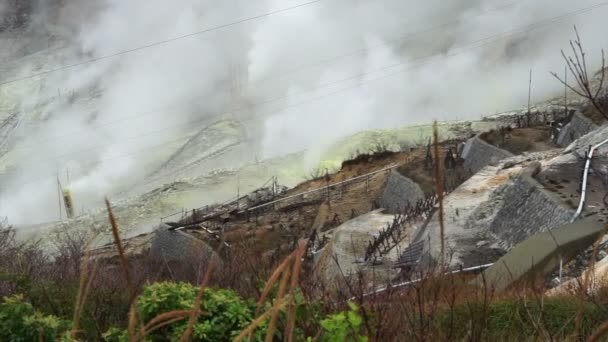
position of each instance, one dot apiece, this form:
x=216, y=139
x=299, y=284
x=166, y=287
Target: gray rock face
x=178, y=246
x=345, y=251
x=576, y=128
x=581, y=145
x=399, y=192
x=533, y=169
x=477, y=154
x=527, y=209
x=505, y=205
x=492, y=211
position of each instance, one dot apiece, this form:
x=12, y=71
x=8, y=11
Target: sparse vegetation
x=435, y=308
x=577, y=65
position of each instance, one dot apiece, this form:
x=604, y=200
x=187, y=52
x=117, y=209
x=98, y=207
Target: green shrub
x=224, y=313
x=517, y=319
x=116, y=335
x=20, y=322
x=343, y=326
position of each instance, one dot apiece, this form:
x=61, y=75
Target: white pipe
x=382, y=289
x=585, y=174
x=323, y=188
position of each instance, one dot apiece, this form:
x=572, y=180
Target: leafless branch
x=578, y=68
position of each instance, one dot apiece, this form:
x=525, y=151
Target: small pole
x=561, y=267
x=67, y=175
x=274, y=192
x=327, y=186
x=439, y=185
x=59, y=197
x=565, y=92
x=529, y=97
x=238, y=192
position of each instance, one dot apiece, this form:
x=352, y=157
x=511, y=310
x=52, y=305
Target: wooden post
x=565, y=92
x=237, y=191
x=274, y=192
x=59, y=197
x=529, y=97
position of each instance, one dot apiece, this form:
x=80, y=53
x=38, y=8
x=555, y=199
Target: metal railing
x=324, y=188
x=415, y=281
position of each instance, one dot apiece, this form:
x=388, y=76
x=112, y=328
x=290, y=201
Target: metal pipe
x=322, y=188
x=404, y=284
x=584, y=185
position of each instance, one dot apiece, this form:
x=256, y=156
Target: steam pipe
x=585, y=175
x=411, y=282
x=581, y=203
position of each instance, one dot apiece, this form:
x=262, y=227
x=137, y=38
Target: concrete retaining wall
x=399, y=192
x=576, y=128
x=527, y=209
x=477, y=154
x=177, y=246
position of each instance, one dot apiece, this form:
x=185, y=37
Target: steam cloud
x=283, y=64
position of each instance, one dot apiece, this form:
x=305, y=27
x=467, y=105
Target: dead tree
x=449, y=161
x=428, y=160
x=578, y=69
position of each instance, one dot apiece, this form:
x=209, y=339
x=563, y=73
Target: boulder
x=176, y=245
x=477, y=154
x=506, y=205
x=343, y=256
x=399, y=192
x=576, y=128
x=498, y=206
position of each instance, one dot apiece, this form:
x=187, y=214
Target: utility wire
x=432, y=59
x=472, y=45
x=161, y=42
x=330, y=60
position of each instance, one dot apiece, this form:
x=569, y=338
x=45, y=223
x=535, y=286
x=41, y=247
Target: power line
x=487, y=39
x=407, y=37
x=471, y=45
x=318, y=63
x=483, y=41
x=161, y=42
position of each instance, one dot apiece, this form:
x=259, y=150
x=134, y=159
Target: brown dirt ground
x=284, y=224
x=519, y=140
x=594, y=115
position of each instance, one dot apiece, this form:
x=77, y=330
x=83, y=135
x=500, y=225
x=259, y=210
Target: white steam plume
x=190, y=78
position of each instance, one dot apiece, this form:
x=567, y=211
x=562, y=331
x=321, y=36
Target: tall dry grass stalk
x=587, y=287
x=133, y=317
x=600, y=333
x=439, y=187
x=273, y=279
x=121, y=251
x=275, y=310
x=280, y=304
x=199, y=298
x=297, y=267
x=161, y=321
x=288, y=271
x=86, y=279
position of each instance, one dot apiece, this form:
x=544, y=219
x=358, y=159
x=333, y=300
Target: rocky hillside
x=379, y=214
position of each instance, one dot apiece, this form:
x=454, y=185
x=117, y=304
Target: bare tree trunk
x=578, y=68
